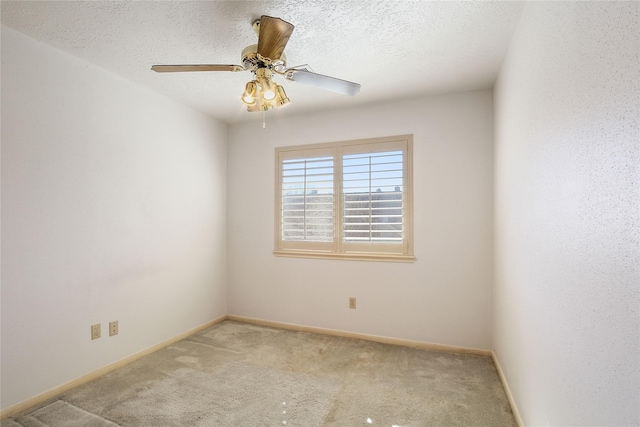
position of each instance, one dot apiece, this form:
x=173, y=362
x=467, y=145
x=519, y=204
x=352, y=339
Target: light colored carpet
x=235, y=374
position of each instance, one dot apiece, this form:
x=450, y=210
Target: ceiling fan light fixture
x=281, y=96
x=249, y=95
x=268, y=95
x=267, y=88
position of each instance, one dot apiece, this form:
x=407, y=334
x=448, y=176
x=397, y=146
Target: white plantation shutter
x=345, y=200
x=372, y=186
x=307, y=199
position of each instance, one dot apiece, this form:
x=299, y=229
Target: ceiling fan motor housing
x=252, y=61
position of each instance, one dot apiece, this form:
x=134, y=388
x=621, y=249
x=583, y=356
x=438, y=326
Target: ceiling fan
x=263, y=60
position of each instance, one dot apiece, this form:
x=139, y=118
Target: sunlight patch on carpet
x=237, y=394
x=63, y=414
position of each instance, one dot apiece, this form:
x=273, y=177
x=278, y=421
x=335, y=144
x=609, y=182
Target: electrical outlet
x=95, y=331
x=352, y=302
x=113, y=328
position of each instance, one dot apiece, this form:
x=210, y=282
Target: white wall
x=113, y=207
x=444, y=297
x=567, y=263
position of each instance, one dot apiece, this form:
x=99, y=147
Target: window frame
x=339, y=249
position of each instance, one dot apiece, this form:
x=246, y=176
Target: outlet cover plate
x=352, y=303
x=95, y=331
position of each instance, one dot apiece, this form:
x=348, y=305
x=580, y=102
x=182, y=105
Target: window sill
x=348, y=256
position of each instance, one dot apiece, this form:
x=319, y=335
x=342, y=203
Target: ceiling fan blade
x=195, y=67
x=273, y=37
x=323, y=82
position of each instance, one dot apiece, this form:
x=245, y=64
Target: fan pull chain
x=264, y=123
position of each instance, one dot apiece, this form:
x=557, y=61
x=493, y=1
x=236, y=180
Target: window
x=350, y=200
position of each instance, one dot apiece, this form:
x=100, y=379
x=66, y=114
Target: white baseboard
x=385, y=340
x=507, y=390
x=50, y=394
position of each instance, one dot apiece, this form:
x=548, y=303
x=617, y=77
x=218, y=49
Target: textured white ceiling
x=393, y=49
